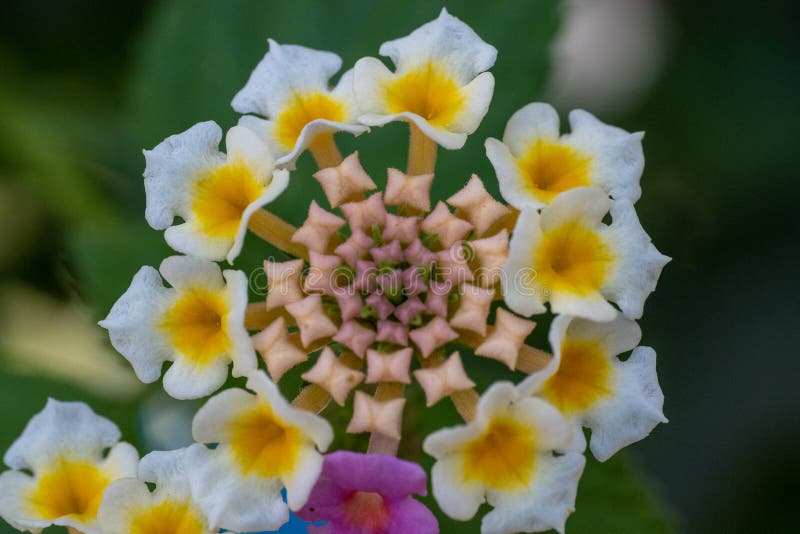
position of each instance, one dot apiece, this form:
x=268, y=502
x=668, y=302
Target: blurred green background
x=85, y=85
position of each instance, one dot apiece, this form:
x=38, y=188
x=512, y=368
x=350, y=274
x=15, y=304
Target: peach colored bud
x=411, y=191
x=444, y=380
x=318, y=228
x=333, y=376
x=477, y=206
x=277, y=349
x=345, y=182
x=314, y=324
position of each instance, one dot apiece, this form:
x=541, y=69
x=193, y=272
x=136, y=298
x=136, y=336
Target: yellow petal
x=582, y=379
x=429, y=91
x=573, y=258
x=264, y=444
x=551, y=167
x=221, y=198
x=300, y=109
x=71, y=488
x=195, y=325
x=502, y=457
x=168, y=517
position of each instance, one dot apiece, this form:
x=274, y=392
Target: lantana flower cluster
x=377, y=292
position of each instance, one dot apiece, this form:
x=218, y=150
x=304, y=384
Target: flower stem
x=256, y=316
x=325, y=151
x=421, y=152
x=531, y=359
x=380, y=443
x=276, y=232
x=312, y=398
x=466, y=402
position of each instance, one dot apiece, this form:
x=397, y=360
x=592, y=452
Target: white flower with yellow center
x=264, y=445
x=620, y=401
x=505, y=457
x=440, y=85
x=198, y=324
x=215, y=194
x=290, y=88
x=62, y=448
x=129, y=507
x=534, y=163
x=566, y=255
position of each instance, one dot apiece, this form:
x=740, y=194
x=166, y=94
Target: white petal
x=447, y=440
x=188, y=380
x=310, y=132
x=552, y=431
x=370, y=77
x=186, y=271
x=637, y=406
x=230, y=501
x=640, y=265
x=521, y=290
x=510, y=178
x=244, y=144
x=131, y=324
x=445, y=138
x=533, y=382
x=458, y=499
x=344, y=91
x=14, y=508
x=278, y=183
x=172, y=168
x=242, y=352
x=284, y=70
x=446, y=39
x=211, y=423
x=477, y=96
x=61, y=428
x=188, y=238
x=615, y=337
x=617, y=156
x=122, y=500
x=591, y=306
x=534, y=121
x=304, y=477
x=262, y=128
x=280, y=180
x=314, y=426
x=165, y=469
x=122, y=461
x=582, y=204
x=545, y=505
x=495, y=401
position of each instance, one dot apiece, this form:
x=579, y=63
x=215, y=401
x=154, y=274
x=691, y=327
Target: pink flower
x=368, y=494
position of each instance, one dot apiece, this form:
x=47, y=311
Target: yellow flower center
x=168, y=517
x=265, y=445
x=302, y=108
x=366, y=511
x=551, y=168
x=427, y=91
x=71, y=488
x=196, y=325
x=501, y=458
x=221, y=198
x=582, y=379
x=573, y=258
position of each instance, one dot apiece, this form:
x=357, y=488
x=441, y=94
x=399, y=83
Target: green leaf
x=106, y=258
x=615, y=497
